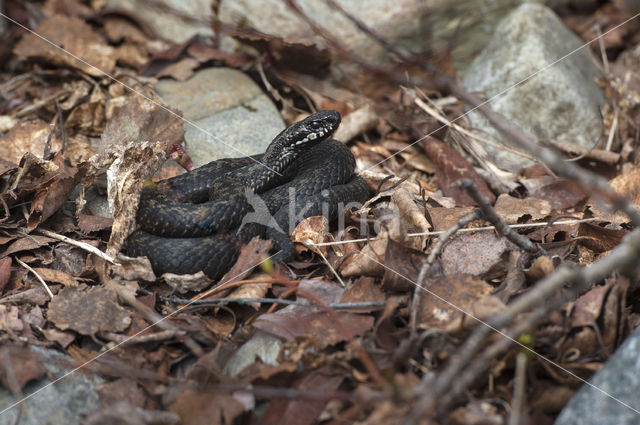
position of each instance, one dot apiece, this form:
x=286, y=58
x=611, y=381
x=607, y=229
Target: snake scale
x=199, y=220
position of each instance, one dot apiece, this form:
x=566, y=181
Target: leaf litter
x=358, y=353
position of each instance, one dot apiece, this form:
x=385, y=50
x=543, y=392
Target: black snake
x=198, y=220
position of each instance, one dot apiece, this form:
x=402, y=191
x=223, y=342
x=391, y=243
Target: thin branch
x=492, y=216
x=83, y=245
x=40, y=279
x=473, y=229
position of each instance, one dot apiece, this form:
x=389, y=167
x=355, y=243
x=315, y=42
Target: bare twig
x=311, y=245
x=491, y=215
x=83, y=245
x=604, y=156
x=518, y=389
x=6, y=210
x=472, y=229
x=213, y=301
x=40, y=279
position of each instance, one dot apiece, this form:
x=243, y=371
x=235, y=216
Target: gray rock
x=60, y=403
x=561, y=102
x=467, y=33
x=232, y=116
x=3, y=22
x=167, y=24
x=262, y=345
x=620, y=379
x=400, y=21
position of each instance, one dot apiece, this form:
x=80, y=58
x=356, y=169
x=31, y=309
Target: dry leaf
x=88, y=311
x=73, y=35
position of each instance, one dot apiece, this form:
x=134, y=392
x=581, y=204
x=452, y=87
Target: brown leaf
x=480, y=309
x=312, y=322
x=481, y=254
x=451, y=167
x=10, y=319
x=18, y=365
x=250, y=256
x=181, y=70
x=459, y=290
x=125, y=181
x=541, y=268
x=598, y=322
x=292, y=56
x=5, y=272
x=139, y=119
x=513, y=210
x=88, y=310
x=64, y=339
x=36, y=296
x=93, y=223
x=443, y=218
x=204, y=408
x=138, y=268
x=315, y=229
x=252, y=290
x=53, y=194
x=410, y=214
x=562, y=194
x=26, y=243
x=628, y=185
x=30, y=136
x=363, y=289
x=73, y=35
x=403, y=265
x=598, y=238
x=303, y=412
x=56, y=276
x=184, y=283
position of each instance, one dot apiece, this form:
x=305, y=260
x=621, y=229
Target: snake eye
x=315, y=125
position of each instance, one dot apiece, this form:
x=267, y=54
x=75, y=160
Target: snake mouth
x=311, y=137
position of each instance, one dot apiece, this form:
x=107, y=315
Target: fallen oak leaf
x=88, y=310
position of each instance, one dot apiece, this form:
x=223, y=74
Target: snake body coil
x=198, y=221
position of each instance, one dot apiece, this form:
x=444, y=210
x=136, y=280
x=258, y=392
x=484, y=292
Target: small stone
x=169, y=25
x=227, y=114
x=612, y=396
x=561, y=99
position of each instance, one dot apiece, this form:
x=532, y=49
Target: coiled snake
x=198, y=220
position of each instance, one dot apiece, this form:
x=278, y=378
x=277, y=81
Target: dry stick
x=492, y=216
x=63, y=133
x=442, y=240
x=26, y=266
x=7, y=213
x=310, y=244
x=475, y=229
x=518, y=389
x=604, y=156
x=90, y=248
x=213, y=301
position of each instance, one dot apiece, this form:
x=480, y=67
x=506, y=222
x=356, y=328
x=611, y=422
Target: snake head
x=288, y=144
x=314, y=128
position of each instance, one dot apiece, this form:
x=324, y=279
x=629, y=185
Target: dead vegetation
x=477, y=295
